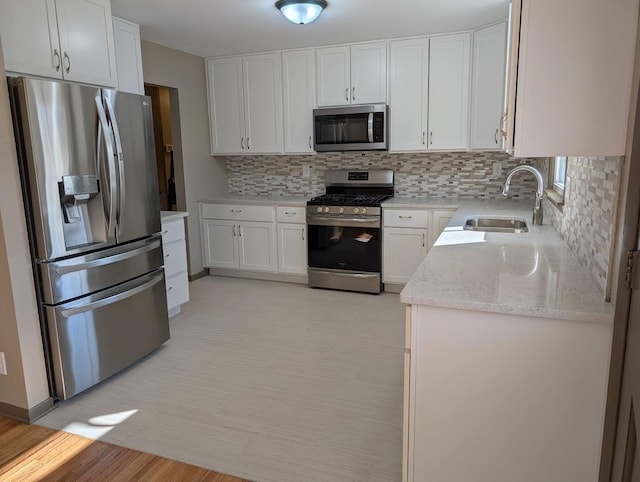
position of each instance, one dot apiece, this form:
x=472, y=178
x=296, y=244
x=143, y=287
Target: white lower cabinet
x=175, y=263
x=404, y=250
x=260, y=238
x=439, y=220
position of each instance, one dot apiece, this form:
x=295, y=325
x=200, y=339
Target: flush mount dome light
x=301, y=11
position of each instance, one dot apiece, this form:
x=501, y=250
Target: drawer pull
x=235, y=211
x=289, y=213
x=166, y=255
x=405, y=217
x=169, y=288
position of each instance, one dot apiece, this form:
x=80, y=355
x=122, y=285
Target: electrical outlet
x=3, y=365
x=306, y=170
x=497, y=169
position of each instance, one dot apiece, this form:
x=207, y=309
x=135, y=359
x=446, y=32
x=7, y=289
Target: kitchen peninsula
x=506, y=356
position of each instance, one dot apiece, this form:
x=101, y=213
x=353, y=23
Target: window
x=557, y=179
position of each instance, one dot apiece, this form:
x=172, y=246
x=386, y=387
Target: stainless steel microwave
x=351, y=128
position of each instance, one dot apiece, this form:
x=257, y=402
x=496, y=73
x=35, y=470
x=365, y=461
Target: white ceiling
x=223, y=27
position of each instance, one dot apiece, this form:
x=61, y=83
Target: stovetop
x=349, y=199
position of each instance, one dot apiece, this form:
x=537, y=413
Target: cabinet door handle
x=346, y=93
x=169, y=288
x=234, y=230
x=354, y=93
x=424, y=137
x=310, y=143
x=431, y=137
x=242, y=143
x=240, y=229
x=56, y=56
x=303, y=234
x=423, y=240
x=166, y=255
x=248, y=145
x=495, y=136
x=68, y=67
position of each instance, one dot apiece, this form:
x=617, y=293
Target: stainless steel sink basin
x=496, y=225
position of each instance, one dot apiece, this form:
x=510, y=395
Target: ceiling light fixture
x=301, y=11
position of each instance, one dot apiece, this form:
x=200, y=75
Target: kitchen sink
x=496, y=225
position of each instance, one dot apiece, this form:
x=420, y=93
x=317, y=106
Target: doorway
x=166, y=130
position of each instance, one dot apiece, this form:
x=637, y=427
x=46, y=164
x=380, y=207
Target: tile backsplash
x=587, y=219
x=441, y=174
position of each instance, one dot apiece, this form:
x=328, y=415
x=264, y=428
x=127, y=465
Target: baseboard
x=282, y=277
x=393, y=287
x=199, y=275
x=26, y=415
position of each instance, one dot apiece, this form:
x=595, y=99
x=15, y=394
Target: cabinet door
x=30, y=37
x=257, y=246
x=404, y=250
x=408, y=94
x=369, y=73
x=263, y=103
x=487, y=86
x=298, y=76
x=219, y=244
x=449, y=66
x=226, y=105
x=334, y=76
x=439, y=220
x=126, y=37
x=292, y=248
x=86, y=39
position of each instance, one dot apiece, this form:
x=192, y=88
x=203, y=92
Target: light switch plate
x=3, y=365
x=306, y=170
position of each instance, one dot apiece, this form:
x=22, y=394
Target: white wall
x=204, y=176
x=25, y=384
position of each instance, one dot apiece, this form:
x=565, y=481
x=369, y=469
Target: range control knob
x=364, y=210
x=319, y=209
x=326, y=210
x=356, y=210
x=341, y=210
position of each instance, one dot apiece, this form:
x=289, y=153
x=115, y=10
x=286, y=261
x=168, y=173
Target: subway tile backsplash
x=441, y=174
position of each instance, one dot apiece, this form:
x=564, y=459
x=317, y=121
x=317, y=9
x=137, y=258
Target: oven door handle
x=370, y=127
x=367, y=222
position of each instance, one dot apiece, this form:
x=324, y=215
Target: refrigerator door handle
x=102, y=116
x=120, y=156
x=157, y=277
x=109, y=259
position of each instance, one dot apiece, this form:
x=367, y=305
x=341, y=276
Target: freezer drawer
x=97, y=336
x=81, y=275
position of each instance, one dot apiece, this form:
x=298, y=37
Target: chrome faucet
x=537, y=208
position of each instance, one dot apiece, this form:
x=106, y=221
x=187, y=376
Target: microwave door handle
x=370, y=127
x=102, y=117
x=121, y=187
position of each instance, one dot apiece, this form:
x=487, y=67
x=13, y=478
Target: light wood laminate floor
x=263, y=380
x=29, y=453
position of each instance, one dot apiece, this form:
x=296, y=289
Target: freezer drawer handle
x=112, y=299
x=108, y=260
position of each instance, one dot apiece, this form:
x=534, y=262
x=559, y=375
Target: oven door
x=343, y=243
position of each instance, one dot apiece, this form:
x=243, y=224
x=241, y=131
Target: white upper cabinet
x=263, y=103
x=449, y=69
x=575, y=63
x=245, y=104
x=226, y=105
x=487, y=86
x=69, y=39
x=126, y=36
x=408, y=80
x=354, y=74
x=298, y=78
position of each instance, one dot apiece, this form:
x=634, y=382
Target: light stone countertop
x=421, y=203
x=259, y=200
x=172, y=215
x=530, y=274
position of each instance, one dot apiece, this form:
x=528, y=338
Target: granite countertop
x=260, y=200
x=171, y=215
x=531, y=274
x=420, y=203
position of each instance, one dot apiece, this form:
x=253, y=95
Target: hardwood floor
x=30, y=452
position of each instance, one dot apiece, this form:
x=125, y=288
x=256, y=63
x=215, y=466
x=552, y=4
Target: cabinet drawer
x=291, y=215
x=177, y=290
x=175, y=258
x=406, y=218
x=238, y=212
x=172, y=231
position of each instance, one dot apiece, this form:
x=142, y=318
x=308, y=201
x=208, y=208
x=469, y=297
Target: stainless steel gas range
x=345, y=230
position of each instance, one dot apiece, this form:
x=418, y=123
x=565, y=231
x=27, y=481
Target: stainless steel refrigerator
x=88, y=169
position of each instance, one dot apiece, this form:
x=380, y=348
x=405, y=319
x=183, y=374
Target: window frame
x=556, y=190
